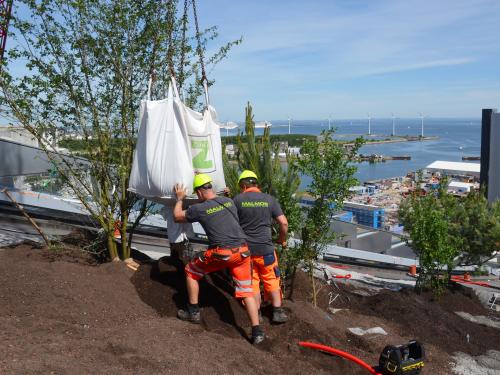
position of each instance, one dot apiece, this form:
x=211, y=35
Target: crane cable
x=181, y=75
x=199, y=49
x=170, y=19
x=170, y=50
x=170, y=38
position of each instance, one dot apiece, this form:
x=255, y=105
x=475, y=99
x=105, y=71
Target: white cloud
x=417, y=66
x=297, y=54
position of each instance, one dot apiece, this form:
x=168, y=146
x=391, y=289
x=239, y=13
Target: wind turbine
x=289, y=125
x=393, y=124
x=422, y=119
x=369, y=123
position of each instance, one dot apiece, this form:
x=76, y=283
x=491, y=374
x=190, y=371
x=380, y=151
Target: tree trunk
x=313, y=284
x=125, y=249
x=32, y=222
x=142, y=213
x=113, y=251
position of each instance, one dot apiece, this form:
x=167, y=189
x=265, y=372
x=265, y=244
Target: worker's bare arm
x=179, y=213
x=283, y=224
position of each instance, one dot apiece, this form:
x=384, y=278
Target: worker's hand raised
x=180, y=191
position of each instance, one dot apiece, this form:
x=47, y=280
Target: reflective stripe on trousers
x=243, y=285
x=191, y=267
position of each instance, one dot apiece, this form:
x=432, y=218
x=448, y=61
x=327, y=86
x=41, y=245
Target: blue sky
x=310, y=59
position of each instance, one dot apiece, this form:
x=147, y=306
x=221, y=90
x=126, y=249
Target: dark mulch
x=62, y=313
x=433, y=320
x=161, y=285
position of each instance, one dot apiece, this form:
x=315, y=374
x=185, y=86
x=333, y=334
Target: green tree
x=447, y=231
x=330, y=167
x=428, y=226
x=87, y=66
x=477, y=224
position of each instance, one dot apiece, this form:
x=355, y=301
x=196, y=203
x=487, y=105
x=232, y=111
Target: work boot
x=191, y=314
x=257, y=335
x=279, y=315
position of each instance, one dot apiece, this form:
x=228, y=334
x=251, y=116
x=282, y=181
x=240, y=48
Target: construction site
x=91, y=278
x=365, y=303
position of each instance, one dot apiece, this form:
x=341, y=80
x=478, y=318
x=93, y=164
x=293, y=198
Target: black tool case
x=407, y=359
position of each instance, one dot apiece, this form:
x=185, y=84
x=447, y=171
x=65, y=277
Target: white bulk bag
x=162, y=156
x=174, y=143
x=205, y=143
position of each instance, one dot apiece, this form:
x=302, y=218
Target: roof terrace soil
x=62, y=313
x=434, y=320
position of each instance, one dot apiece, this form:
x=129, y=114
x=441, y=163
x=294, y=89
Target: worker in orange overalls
x=227, y=249
x=256, y=211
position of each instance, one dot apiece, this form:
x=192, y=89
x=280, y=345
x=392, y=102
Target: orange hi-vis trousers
x=237, y=260
x=265, y=268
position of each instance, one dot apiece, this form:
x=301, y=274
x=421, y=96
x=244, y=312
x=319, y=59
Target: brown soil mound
x=60, y=313
x=434, y=320
x=161, y=285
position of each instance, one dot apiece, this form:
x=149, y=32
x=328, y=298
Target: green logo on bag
x=201, y=160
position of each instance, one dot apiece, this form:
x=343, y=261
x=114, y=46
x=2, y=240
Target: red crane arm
x=5, y=10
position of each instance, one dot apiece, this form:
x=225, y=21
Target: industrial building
x=460, y=187
x=454, y=169
x=490, y=154
x=364, y=214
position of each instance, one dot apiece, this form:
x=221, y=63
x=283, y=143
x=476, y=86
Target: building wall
x=346, y=232
x=347, y=236
x=494, y=170
x=403, y=251
x=344, y=216
x=18, y=134
x=367, y=215
x=376, y=242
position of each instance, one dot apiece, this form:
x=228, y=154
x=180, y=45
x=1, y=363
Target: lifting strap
x=170, y=40
x=181, y=75
x=199, y=49
x=170, y=51
x=170, y=20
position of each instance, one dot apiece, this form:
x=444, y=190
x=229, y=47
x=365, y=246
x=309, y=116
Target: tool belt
x=405, y=359
x=224, y=253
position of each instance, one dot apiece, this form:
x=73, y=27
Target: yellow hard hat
x=247, y=174
x=200, y=180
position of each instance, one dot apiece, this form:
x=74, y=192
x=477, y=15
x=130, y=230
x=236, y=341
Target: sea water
x=456, y=138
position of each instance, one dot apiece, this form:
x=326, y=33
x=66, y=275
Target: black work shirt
x=256, y=211
x=219, y=219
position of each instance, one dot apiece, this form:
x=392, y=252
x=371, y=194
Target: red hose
x=340, y=353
